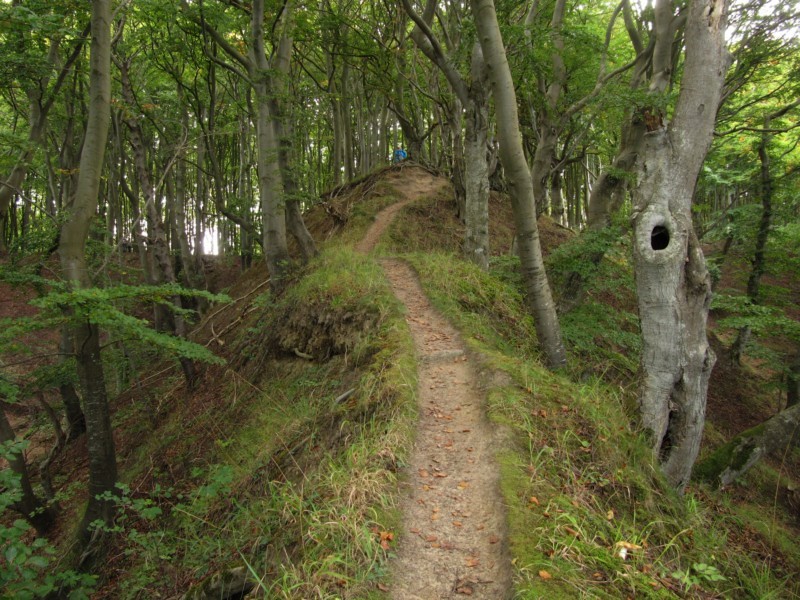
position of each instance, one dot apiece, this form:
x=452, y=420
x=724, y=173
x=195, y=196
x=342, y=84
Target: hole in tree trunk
x=659, y=238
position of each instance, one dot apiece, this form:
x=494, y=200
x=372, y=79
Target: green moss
x=733, y=455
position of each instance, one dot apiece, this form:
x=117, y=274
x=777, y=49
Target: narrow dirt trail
x=453, y=543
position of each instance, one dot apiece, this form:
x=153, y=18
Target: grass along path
x=454, y=543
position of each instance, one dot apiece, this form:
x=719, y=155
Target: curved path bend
x=454, y=543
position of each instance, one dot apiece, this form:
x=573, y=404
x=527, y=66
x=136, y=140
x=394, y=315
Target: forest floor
x=453, y=544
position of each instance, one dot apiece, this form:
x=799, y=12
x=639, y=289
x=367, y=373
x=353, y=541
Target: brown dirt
x=453, y=543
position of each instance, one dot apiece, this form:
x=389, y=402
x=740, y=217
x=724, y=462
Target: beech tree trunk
x=194, y=274
x=76, y=421
x=474, y=98
x=476, y=179
x=609, y=191
x=270, y=185
x=30, y=506
x=158, y=234
x=672, y=282
x=280, y=91
x=74, y=233
x=539, y=296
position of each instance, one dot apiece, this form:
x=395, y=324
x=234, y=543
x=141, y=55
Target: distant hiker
x=399, y=155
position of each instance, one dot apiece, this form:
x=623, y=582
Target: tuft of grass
x=589, y=514
x=301, y=478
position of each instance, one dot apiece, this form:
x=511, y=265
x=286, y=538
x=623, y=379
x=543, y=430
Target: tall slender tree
x=72, y=251
x=540, y=297
x=473, y=97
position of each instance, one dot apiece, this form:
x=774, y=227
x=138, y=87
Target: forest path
x=453, y=544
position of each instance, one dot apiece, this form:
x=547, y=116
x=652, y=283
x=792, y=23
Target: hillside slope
x=296, y=469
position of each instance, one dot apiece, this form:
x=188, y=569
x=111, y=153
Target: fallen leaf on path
x=431, y=538
x=545, y=575
x=414, y=530
x=463, y=485
x=571, y=531
x=440, y=474
x=464, y=589
x=534, y=500
x=457, y=524
x=423, y=473
x=472, y=561
x=383, y=588
x=493, y=539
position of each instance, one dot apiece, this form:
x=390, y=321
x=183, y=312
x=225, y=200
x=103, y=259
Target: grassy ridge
x=301, y=481
x=589, y=514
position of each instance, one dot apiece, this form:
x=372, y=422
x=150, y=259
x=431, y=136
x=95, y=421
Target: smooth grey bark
x=548, y=120
x=206, y=149
x=476, y=177
x=294, y=217
x=552, y=120
x=270, y=185
x=734, y=459
x=672, y=282
x=653, y=66
x=473, y=96
x=158, y=234
x=193, y=269
x=539, y=296
x=74, y=233
x=608, y=192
